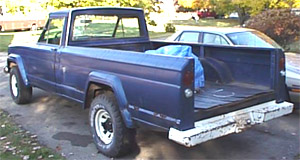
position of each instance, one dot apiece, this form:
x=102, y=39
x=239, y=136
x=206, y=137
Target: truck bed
x=231, y=96
x=235, y=78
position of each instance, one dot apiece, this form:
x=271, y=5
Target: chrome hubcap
x=104, y=128
x=14, y=85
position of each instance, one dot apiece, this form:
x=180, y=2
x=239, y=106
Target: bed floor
x=214, y=95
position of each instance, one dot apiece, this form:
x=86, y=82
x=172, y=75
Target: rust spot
x=136, y=108
x=12, y=64
x=162, y=116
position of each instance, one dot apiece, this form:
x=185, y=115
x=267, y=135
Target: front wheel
x=20, y=93
x=110, y=134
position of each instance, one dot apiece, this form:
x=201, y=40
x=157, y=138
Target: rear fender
x=115, y=84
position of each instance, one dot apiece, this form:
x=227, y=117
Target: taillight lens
x=281, y=64
x=188, y=78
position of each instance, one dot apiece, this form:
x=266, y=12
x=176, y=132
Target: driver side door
x=41, y=62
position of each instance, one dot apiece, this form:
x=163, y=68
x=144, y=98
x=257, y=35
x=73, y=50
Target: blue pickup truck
x=96, y=56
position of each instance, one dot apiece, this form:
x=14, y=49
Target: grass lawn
x=16, y=143
x=5, y=41
x=7, y=38
x=208, y=22
x=295, y=47
x=159, y=35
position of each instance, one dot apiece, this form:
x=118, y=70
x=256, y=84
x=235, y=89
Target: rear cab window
x=89, y=27
x=101, y=26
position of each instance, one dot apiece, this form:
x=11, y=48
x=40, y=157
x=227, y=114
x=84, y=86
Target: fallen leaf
x=36, y=148
x=12, y=148
x=26, y=157
x=58, y=148
x=33, y=136
x=50, y=156
x=2, y=138
x=34, y=144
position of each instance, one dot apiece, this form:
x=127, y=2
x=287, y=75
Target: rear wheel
x=20, y=93
x=110, y=134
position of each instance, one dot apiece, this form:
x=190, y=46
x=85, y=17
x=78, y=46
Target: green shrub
x=279, y=24
x=152, y=23
x=169, y=27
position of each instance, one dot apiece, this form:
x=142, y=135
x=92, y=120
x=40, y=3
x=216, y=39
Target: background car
x=206, y=13
x=244, y=37
x=233, y=15
x=293, y=76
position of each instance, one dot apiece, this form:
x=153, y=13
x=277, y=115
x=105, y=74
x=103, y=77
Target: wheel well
x=11, y=64
x=94, y=89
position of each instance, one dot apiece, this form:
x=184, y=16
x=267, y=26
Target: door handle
x=53, y=49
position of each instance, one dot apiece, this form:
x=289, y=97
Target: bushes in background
x=279, y=24
x=152, y=23
x=169, y=27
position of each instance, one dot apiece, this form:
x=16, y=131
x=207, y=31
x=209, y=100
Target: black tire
x=24, y=93
x=123, y=139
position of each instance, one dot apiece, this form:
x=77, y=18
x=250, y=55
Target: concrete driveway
x=63, y=125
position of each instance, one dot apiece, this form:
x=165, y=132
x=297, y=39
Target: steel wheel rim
x=14, y=85
x=103, y=126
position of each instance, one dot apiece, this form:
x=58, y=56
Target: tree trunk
x=242, y=15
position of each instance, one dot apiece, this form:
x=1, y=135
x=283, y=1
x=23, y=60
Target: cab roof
x=66, y=12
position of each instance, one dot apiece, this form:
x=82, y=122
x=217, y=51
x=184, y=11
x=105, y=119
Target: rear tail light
x=188, y=78
x=281, y=64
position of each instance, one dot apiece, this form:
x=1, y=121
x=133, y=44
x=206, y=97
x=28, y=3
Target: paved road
x=62, y=124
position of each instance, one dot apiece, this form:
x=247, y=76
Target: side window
x=53, y=32
x=189, y=37
x=209, y=38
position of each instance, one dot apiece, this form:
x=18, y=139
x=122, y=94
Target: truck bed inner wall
x=246, y=65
